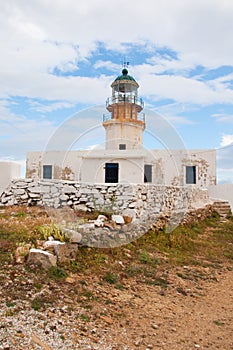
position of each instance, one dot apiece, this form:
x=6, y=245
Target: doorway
x=111, y=172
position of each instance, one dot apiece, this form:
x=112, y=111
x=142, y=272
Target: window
x=122, y=146
x=191, y=175
x=147, y=173
x=47, y=171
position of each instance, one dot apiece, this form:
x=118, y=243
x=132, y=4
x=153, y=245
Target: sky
x=59, y=58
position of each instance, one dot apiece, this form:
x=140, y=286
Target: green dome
x=124, y=76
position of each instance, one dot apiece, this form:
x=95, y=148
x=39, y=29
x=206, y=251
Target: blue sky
x=59, y=58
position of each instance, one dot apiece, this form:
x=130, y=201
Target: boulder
x=66, y=252
x=41, y=258
x=72, y=235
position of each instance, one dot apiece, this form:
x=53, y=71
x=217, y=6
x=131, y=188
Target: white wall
x=8, y=172
x=168, y=166
x=223, y=192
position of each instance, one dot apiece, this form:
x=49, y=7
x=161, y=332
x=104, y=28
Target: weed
x=133, y=270
x=87, y=294
x=158, y=281
x=39, y=303
x=51, y=230
x=119, y=286
x=84, y=317
x=111, y=278
x=38, y=286
x=219, y=323
x=10, y=313
x=56, y=273
x=144, y=257
x=20, y=214
x=10, y=304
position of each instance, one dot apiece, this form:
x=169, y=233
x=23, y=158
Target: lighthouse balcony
x=109, y=117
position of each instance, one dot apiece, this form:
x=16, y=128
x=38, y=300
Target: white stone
x=19, y=191
x=36, y=189
x=81, y=207
x=51, y=244
x=64, y=197
x=98, y=223
x=118, y=219
x=102, y=218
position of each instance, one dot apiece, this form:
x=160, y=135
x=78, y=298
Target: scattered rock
x=51, y=245
x=155, y=326
x=72, y=235
x=66, y=252
x=118, y=219
x=107, y=319
x=41, y=258
x=127, y=219
x=21, y=253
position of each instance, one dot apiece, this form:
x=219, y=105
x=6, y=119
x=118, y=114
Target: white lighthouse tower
x=124, y=125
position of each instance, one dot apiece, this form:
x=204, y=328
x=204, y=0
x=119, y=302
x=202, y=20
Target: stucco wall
x=222, y=192
x=123, y=133
x=8, y=171
x=168, y=167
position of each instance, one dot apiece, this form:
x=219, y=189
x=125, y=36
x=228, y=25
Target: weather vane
x=125, y=64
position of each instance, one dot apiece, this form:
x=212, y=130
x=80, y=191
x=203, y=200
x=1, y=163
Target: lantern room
x=124, y=124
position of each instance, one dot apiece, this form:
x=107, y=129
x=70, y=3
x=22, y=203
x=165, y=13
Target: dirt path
x=197, y=318
x=194, y=311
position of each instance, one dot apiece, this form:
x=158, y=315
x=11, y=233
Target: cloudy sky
x=58, y=59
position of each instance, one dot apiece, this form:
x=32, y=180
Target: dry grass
x=205, y=243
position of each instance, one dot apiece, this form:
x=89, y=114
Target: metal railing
x=140, y=116
x=121, y=98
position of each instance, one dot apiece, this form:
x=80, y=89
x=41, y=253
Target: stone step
x=223, y=208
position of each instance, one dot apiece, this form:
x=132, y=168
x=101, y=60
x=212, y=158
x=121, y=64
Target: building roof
x=125, y=76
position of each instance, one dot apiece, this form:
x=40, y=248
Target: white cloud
x=42, y=36
x=184, y=90
x=51, y=87
x=44, y=108
x=223, y=117
x=227, y=140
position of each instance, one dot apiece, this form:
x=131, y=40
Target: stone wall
x=120, y=198
x=141, y=206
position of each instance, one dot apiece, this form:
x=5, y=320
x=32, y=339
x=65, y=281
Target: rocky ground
x=167, y=307
x=193, y=310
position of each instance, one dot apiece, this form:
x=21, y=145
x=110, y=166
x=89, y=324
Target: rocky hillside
x=162, y=291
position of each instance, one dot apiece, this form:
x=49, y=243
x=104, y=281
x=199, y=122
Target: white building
x=9, y=171
x=124, y=158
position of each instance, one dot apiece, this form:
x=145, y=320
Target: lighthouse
x=125, y=122
x=124, y=159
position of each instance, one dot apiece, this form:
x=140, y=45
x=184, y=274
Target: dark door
x=111, y=172
x=147, y=173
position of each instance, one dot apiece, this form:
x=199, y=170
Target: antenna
x=125, y=64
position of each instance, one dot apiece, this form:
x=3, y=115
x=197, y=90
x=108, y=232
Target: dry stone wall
x=141, y=206
x=119, y=198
